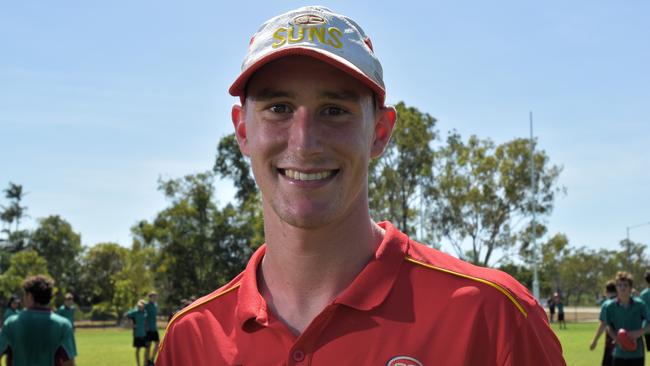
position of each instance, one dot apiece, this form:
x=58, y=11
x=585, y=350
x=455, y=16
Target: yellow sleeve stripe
x=192, y=307
x=481, y=280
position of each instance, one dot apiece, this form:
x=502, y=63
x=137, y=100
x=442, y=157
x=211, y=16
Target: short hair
x=12, y=299
x=141, y=302
x=610, y=286
x=69, y=296
x=647, y=275
x=625, y=276
x=41, y=288
x=151, y=293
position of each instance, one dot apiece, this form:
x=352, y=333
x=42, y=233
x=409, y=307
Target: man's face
x=310, y=131
x=68, y=302
x=623, y=288
x=153, y=298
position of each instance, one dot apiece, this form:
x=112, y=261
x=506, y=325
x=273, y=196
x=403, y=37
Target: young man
x=12, y=307
x=630, y=314
x=37, y=336
x=331, y=286
x=645, y=296
x=138, y=319
x=559, y=303
x=610, y=294
x=67, y=311
x=151, y=310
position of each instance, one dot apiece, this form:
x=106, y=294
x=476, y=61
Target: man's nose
x=305, y=134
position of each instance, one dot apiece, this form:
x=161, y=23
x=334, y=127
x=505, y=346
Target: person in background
x=630, y=314
x=551, y=308
x=12, y=307
x=151, y=310
x=37, y=336
x=138, y=318
x=67, y=311
x=645, y=296
x=557, y=300
x=610, y=295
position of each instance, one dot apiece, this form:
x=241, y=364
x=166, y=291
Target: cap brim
x=238, y=88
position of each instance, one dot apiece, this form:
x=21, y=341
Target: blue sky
x=97, y=100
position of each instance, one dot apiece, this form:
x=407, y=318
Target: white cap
x=317, y=32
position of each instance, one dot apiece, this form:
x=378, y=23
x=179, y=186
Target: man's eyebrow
x=268, y=94
x=344, y=95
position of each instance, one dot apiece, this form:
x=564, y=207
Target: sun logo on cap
x=308, y=19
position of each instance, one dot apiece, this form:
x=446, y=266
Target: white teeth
x=293, y=174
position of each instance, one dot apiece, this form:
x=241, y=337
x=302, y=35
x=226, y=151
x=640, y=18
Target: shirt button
x=298, y=355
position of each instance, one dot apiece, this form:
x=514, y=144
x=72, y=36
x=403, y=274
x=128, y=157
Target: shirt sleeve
x=67, y=343
x=4, y=343
x=601, y=316
x=535, y=343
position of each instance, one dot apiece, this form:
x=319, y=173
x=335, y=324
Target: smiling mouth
x=302, y=176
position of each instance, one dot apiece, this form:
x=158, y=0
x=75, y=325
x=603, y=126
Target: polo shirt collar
x=367, y=291
x=618, y=301
x=373, y=284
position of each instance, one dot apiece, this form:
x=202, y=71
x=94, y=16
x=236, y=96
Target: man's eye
x=333, y=111
x=280, y=108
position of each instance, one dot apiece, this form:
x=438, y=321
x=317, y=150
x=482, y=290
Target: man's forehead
x=272, y=93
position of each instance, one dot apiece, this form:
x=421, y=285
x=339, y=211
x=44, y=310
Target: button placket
x=298, y=355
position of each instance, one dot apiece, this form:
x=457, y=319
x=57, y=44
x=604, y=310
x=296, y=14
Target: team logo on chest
x=403, y=361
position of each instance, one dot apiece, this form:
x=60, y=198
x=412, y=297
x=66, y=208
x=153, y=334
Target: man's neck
x=304, y=270
x=624, y=300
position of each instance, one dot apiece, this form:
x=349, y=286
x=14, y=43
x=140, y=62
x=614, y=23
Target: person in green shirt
x=557, y=299
x=630, y=314
x=645, y=296
x=12, y=307
x=610, y=294
x=67, y=311
x=137, y=317
x=151, y=309
x=37, y=336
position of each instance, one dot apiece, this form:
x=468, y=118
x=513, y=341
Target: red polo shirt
x=411, y=304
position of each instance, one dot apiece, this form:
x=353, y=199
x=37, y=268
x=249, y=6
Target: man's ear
x=384, y=124
x=238, y=116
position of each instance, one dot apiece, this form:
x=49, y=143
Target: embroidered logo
x=309, y=19
x=403, y=361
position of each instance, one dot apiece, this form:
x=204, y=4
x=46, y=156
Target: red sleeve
x=536, y=343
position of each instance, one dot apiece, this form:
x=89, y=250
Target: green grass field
x=104, y=347
x=111, y=347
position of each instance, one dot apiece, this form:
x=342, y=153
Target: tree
x=230, y=163
x=23, y=264
x=482, y=194
x=632, y=258
x=553, y=253
x=15, y=239
x=55, y=240
x=14, y=212
x=99, y=265
x=197, y=246
x=133, y=281
x=580, y=273
x=404, y=170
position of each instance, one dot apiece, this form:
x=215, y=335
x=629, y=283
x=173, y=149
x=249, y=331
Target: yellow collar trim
x=481, y=280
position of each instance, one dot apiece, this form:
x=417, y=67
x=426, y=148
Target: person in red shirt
x=331, y=286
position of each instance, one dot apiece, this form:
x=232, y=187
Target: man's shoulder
x=60, y=320
x=645, y=293
x=501, y=284
x=216, y=303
